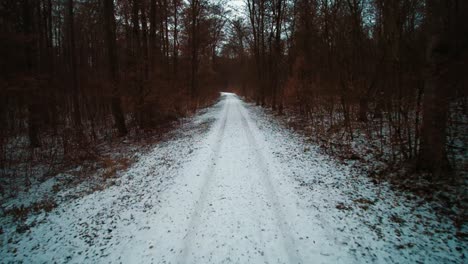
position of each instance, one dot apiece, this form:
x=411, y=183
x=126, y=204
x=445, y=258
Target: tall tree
x=195, y=9
x=73, y=65
x=154, y=49
x=175, y=39
x=31, y=70
x=116, y=103
x=443, y=50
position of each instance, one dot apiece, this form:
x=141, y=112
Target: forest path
x=231, y=185
x=230, y=204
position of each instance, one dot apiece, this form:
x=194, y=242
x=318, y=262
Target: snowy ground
x=243, y=190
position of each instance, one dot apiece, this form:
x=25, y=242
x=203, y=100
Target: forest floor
x=230, y=185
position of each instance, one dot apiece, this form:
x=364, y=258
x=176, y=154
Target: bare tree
x=116, y=103
x=446, y=44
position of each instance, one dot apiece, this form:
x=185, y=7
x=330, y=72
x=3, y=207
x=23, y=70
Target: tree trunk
x=116, y=106
x=33, y=122
x=136, y=31
x=195, y=5
x=154, y=50
x=433, y=154
x=73, y=68
x=144, y=27
x=363, y=109
x=175, y=39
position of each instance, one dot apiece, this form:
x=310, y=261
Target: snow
x=235, y=186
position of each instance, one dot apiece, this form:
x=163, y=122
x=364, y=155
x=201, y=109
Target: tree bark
x=33, y=120
x=154, y=50
x=73, y=67
x=433, y=154
x=195, y=6
x=116, y=104
x=175, y=47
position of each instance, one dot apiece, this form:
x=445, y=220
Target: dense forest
x=233, y=131
x=389, y=73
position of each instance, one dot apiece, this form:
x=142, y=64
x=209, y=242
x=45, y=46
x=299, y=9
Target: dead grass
x=21, y=213
x=113, y=165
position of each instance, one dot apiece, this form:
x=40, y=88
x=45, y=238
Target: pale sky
x=236, y=6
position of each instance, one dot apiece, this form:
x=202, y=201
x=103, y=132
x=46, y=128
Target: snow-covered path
x=233, y=186
x=231, y=204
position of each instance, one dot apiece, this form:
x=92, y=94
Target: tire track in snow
x=200, y=203
x=288, y=241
